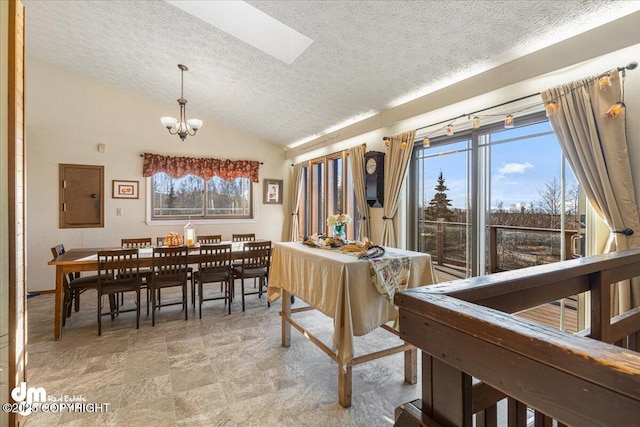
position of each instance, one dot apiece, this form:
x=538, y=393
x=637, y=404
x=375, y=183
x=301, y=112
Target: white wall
x=68, y=114
x=420, y=114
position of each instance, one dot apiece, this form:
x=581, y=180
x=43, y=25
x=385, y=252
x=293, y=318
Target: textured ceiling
x=367, y=56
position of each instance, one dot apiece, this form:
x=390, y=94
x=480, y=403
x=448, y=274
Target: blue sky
x=519, y=167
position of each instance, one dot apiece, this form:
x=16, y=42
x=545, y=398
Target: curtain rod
x=629, y=66
x=142, y=155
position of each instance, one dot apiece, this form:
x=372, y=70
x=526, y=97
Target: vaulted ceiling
x=366, y=56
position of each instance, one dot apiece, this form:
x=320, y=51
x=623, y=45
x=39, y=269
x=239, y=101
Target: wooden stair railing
x=466, y=334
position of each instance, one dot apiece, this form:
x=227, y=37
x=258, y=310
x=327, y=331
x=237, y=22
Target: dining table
x=356, y=293
x=86, y=259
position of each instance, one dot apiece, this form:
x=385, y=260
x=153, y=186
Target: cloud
x=510, y=168
x=514, y=168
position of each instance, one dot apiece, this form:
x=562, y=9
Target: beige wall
x=68, y=114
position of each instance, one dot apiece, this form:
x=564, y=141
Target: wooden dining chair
x=203, y=240
x=210, y=240
x=74, y=285
x=249, y=237
x=215, y=266
x=119, y=273
x=145, y=273
x=159, y=243
x=256, y=260
x=143, y=242
x=169, y=270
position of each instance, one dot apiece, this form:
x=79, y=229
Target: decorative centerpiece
x=173, y=239
x=338, y=223
x=190, y=233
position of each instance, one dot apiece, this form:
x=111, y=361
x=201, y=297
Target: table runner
x=390, y=273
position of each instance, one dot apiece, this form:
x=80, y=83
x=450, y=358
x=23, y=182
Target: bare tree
x=572, y=207
x=549, y=202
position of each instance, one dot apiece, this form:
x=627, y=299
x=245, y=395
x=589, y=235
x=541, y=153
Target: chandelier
x=181, y=127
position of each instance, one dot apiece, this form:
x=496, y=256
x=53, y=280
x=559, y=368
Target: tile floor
x=222, y=370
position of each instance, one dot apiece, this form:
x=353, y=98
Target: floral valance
x=205, y=168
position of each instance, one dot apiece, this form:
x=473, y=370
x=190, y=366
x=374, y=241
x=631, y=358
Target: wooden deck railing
x=447, y=244
x=475, y=353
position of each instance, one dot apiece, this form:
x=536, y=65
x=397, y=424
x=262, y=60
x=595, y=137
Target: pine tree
x=439, y=205
x=171, y=198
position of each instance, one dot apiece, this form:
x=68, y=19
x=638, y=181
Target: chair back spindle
x=136, y=243
x=210, y=240
x=248, y=237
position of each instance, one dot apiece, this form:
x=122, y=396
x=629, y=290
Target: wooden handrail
x=572, y=378
x=516, y=290
x=576, y=380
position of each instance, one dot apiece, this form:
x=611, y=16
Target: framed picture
x=125, y=189
x=272, y=192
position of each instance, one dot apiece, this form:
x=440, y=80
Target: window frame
x=309, y=205
x=176, y=220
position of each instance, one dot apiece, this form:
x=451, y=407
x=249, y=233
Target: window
x=493, y=199
x=327, y=189
x=191, y=196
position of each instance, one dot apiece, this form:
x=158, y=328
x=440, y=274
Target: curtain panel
x=205, y=168
x=294, y=197
x=399, y=152
x=356, y=159
x=595, y=145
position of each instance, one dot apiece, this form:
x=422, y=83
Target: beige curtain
x=356, y=159
x=294, y=200
x=596, y=148
x=396, y=161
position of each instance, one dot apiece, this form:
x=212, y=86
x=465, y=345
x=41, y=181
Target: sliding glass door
x=493, y=199
x=442, y=210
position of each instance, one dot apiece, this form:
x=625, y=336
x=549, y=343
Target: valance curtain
x=396, y=162
x=596, y=148
x=205, y=168
x=294, y=198
x=356, y=159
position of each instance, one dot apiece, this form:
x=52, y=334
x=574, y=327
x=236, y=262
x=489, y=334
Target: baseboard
x=48, y=291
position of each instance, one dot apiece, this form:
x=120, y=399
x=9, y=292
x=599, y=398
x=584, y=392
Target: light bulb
x=426, y=143
x=604, y=82
x=476, y=122
x=551, y=108
x=615, y=109
x=508, y=122
x=450, y=130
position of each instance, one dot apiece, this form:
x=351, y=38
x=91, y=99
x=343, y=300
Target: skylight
x=250, y=25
